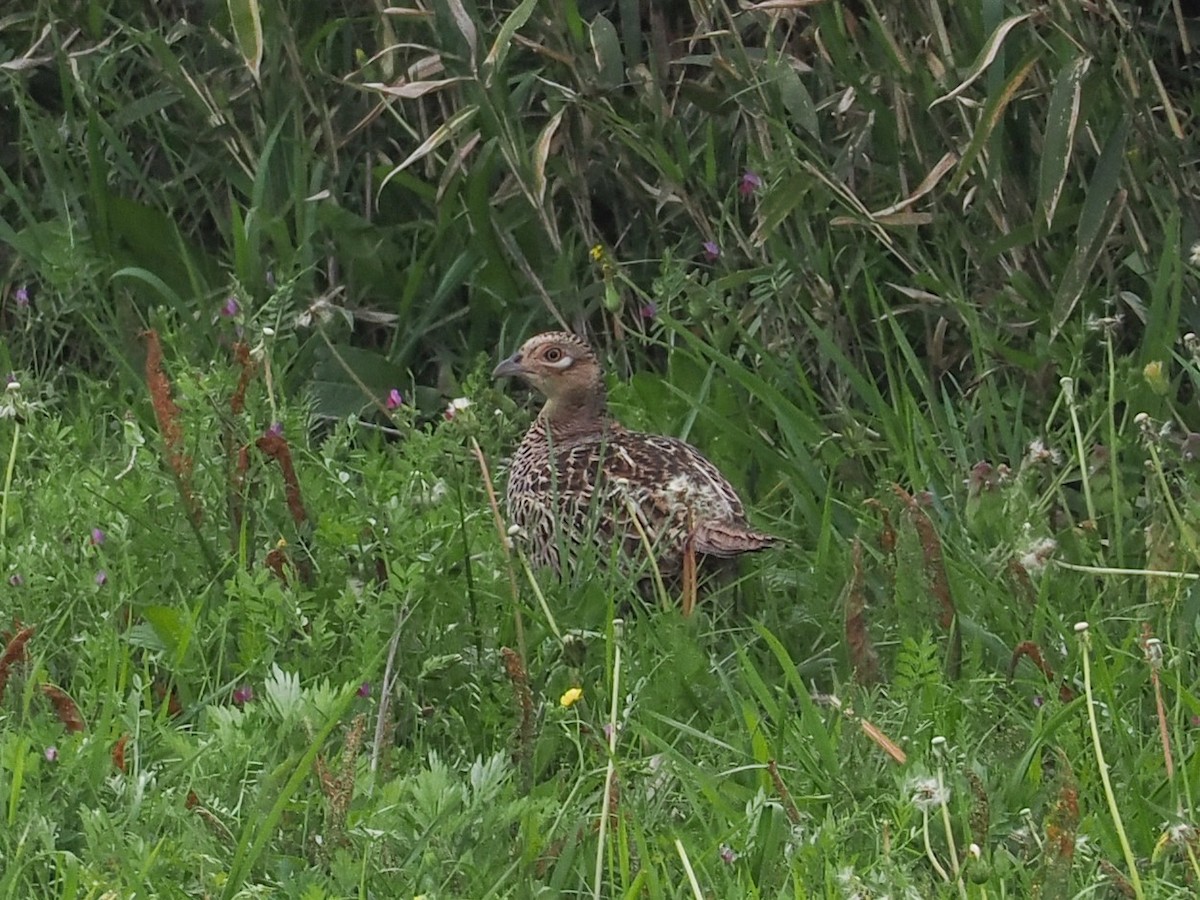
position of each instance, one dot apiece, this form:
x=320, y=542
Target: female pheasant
x=579, y=476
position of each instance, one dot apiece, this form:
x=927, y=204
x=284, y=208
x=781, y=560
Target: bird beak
x=509, y=367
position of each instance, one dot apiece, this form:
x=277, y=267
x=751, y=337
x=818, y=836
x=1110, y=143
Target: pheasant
x=579, y=476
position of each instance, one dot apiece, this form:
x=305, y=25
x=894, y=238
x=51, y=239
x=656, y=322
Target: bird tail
x=728, y=539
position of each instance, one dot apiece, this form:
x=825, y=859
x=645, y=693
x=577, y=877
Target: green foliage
x=939, y=246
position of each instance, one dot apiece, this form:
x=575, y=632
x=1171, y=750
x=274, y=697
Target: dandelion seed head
x=1037, y=555
x=926, y=793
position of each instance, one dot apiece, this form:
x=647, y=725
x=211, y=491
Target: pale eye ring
x=553, y=355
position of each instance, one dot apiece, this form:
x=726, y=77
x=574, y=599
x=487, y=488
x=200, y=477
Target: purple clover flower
x=98, y=537
x=749, y=183
x=21, y=296
x=364, y=689
x=101, y=578
x=711, y=250
x=394, y=399
x=231, y=307
x=243, y=695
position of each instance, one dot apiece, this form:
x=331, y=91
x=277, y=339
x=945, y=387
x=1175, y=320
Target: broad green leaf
x=248, y=33
x=494, y=61
x=171, y=626
x=986, y=55
x=606, y=47
x=779, y=203
x=1104, y=183
x=797, y=100
x=1075, y=278
x=1061, y=121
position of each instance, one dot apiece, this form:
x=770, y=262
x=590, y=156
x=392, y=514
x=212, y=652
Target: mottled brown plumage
x=579, y=476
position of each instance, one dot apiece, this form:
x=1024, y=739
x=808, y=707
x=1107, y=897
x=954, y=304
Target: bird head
x=562, y=367
x=556, y=363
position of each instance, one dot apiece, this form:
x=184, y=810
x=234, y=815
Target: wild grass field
x=919, y=277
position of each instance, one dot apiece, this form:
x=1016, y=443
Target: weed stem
x=933, y=860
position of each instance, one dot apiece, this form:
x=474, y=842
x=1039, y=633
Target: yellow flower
x=571, y=697
x=597, y=253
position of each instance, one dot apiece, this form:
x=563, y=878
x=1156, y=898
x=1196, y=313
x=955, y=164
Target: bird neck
x=583, y=411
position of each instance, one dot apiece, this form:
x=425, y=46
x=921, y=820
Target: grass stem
x=618, y=627
x=1134, y=879
x=8, y=478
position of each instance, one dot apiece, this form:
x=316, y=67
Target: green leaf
x=797, y=100
x=993, y=111
x=541, y=152
x=1061, y=122
x=494, y=61
x=444, y=132
x=986, y=55
x=248, y=33
x=1079, y=271
x=465, y=25
x=170, y=624
x=606, y=47
x=1105, y=178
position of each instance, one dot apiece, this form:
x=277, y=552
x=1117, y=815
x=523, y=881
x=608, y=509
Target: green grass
x=943, y=351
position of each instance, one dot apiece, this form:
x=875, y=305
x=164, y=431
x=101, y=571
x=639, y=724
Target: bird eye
x=553, y=355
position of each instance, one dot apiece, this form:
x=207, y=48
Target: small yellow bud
x=570, y=697
x=1153, y=373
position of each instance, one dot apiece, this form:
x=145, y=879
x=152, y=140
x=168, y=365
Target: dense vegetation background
x=918, y=276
